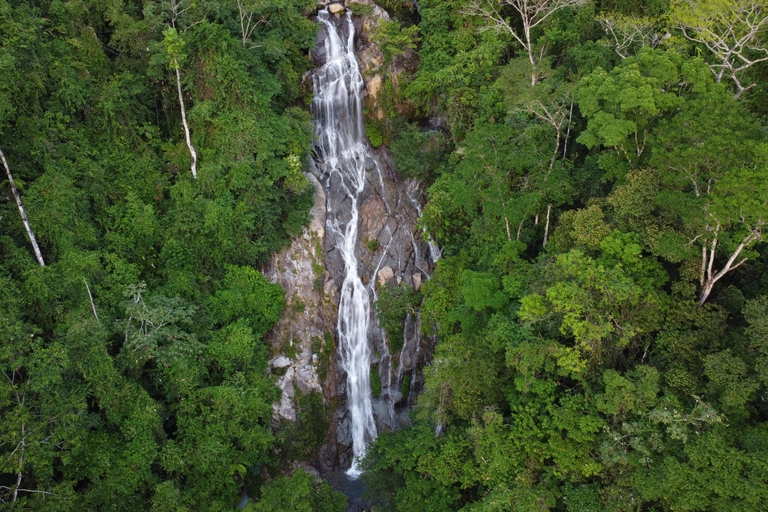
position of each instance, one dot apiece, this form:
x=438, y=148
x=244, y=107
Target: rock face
x=370, y=55
x=299, y=270
x=390, y=250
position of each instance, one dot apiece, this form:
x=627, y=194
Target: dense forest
x=601, y=313
x=134, y=375
x=595, y=175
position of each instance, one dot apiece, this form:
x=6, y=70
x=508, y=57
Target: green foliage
x=247, y=294
x=395, y=304
x=371, y=245
x=323, y=347
x=297, y=439
x=299, y=493
x=397, y=480
x=573, y=355
x=621, y=106
x=360, y=9
x=419, y=154
x=574, y=369
x=405, y=387
x=162, y=402
x=394, y=40
x=174, y=45
x=375, y=382
x=374, y=133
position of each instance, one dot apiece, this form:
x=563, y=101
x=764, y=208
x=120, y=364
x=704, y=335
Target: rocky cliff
x=390, y=250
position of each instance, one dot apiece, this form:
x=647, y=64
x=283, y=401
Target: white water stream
x=342, y=152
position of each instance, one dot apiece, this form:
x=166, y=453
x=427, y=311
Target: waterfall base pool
x=353, y=489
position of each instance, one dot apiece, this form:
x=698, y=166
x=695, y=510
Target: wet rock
x=317, y=213
x=344, y=432
x=385, y=415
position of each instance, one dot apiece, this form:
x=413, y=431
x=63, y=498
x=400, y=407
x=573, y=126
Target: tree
x=629, y=33
x=394, y=40
x=713, y=176
x=606, y=303
x=248, y=10
x=532, y=14
x=622, y=106
x=552, y=113
x=23, y=214
x=732, y=31
x=298, y=493
x=42, y=411
x=742, y=205
x=174, y=44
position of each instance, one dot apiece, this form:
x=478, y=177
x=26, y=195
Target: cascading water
x=341, y=157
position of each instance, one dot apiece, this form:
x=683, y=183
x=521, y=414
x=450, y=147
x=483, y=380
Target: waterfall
x=341, y=154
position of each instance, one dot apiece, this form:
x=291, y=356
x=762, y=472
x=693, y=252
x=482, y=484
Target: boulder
x=336, y=8
x=280, y=362
x=385, y=275
x=309, y=469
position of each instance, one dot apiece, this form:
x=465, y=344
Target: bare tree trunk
x=546, y=227
x=90, y=297
x=21, y=466
x=192, y=151
x=32, y=238
x=568, y=132
x=529, y=47
x=509, y=233
x=709, y=278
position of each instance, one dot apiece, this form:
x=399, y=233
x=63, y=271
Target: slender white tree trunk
x=192, y=151
x=546, y=228
x=90, y=297
x=22, y=445
x=32, y=238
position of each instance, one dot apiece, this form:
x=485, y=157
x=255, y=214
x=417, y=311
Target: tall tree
x=251, y=16
x=627, y=34
x=174, y=44
x=23, y=213
x=532, y=13
x=732, y=30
